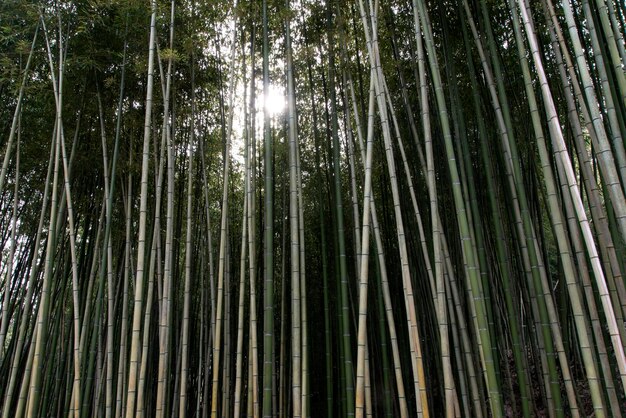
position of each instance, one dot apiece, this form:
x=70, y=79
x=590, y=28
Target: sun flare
x=274, y=100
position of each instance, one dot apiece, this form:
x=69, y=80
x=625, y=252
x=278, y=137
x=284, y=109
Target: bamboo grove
x=304, y=208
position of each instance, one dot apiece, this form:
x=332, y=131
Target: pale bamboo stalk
x=463, y=380
x=209, y=233
x=294, y=235
x=226, y=378
x=201, y=361
x=281, y=382
x=166, y=302
x=241, y=309
x=368, y=383
x=141, y=241
x=188, y=250
x=141, y=392
x=354, y=196
x=106, y=266
x=156, y=267
x=303, y=298
x=253, y=364
x=123, y=348
x=74, y=269
x=363, y=279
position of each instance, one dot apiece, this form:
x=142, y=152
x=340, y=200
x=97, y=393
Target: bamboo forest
x=313, y=208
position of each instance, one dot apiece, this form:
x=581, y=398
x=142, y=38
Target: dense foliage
x=361, y=208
